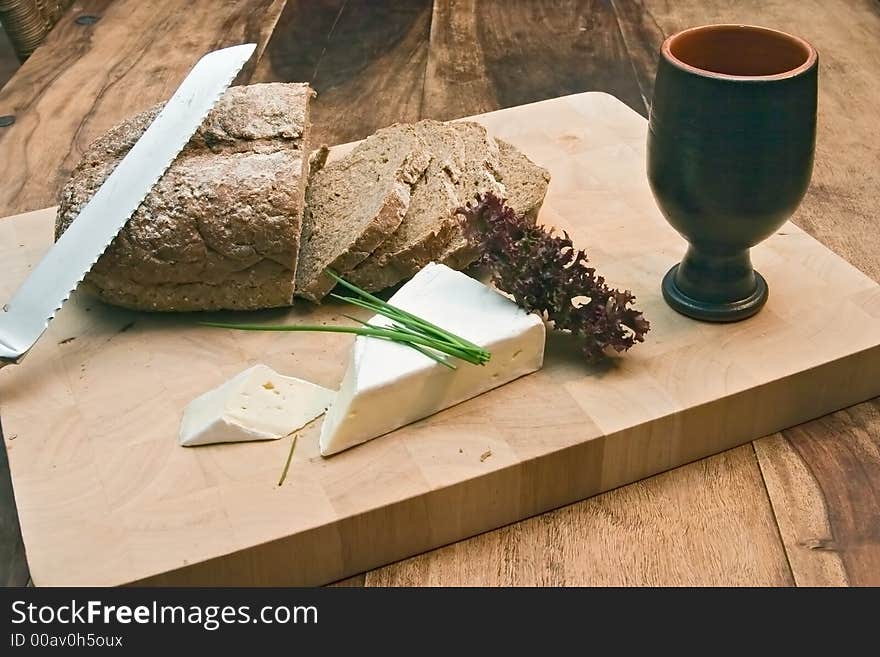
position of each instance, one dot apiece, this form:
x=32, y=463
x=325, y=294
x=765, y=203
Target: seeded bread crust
x=355, y=203
x=221, y=228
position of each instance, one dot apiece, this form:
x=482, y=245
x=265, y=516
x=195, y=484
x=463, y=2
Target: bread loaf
x=231, y=224
x=221, y=229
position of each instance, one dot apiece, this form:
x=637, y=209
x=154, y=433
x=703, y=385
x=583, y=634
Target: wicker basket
x=27, y=22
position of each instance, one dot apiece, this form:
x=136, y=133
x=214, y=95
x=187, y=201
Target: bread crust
x=221, y=228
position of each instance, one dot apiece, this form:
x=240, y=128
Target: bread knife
x=27, y=314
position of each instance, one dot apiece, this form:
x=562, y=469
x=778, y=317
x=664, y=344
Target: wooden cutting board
x=106, y=496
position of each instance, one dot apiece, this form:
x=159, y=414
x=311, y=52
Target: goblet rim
x=809, y=63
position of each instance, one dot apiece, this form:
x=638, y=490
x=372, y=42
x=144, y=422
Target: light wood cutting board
x=106, y=496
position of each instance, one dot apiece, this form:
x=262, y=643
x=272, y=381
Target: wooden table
x=801, y=507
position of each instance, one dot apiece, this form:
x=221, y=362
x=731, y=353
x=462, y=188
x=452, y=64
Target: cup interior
x=740, y=51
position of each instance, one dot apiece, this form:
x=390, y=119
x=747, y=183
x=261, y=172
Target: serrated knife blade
x=25, y=317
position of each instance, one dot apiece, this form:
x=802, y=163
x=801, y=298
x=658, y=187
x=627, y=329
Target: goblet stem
x=716, y=277
x=717, y=286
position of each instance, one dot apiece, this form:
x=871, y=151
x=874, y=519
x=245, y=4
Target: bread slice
x=354, y=204
x=465, y=163
x=525, y=186
x=221, y=228
x=525, y=183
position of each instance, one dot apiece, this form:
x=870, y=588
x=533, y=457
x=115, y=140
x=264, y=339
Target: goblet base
x=709, y=311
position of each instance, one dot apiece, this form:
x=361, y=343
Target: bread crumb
x=485, y=455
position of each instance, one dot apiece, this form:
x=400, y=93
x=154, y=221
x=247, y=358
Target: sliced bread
x=525, y=183
x=525, y=186
x=465, y=163
x=354, y=204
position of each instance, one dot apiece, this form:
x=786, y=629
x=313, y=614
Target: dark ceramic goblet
x=730, y=154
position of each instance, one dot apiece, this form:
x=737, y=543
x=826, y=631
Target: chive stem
x=289, y=459
x=379, y=303
x=422, y=350
x=405, y=328
x=396, y=318
x=376, y=332
x=452, y=342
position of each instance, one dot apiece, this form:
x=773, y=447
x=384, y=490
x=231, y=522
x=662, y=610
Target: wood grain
x=638, y=535
x=642, y=36
x=487, y=55
x=839, y=207
x=84, y=79
x=354, y=582
x=840, y=211
x=842, y=452
x=365, y=59
x=96, y=448
x=295, y=50
x=13, y=565
x=801, y=513
x=8, y=61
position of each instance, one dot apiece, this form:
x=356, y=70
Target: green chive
x=395, y=318
x=386, y=309
x=289, y=459
x=406, y=328
x=422, y=350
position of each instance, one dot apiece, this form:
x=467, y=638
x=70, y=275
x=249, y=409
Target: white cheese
x=388, y=385
x=257, y=404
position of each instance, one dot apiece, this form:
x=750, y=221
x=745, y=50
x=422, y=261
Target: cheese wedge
x=388, y=385
x=257, y=404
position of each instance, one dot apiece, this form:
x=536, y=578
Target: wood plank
x=13, y=565
x=487, y=55
x=653, y=533
x=98, y=452
x=352, y=582
x=8, y=60
x=840, y=211
x=365, y=59
x=801, y=513
x=843, y=453
x=83, y=79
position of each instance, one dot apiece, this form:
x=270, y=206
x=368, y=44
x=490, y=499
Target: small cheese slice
x=388, y=385
x=257, y=404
